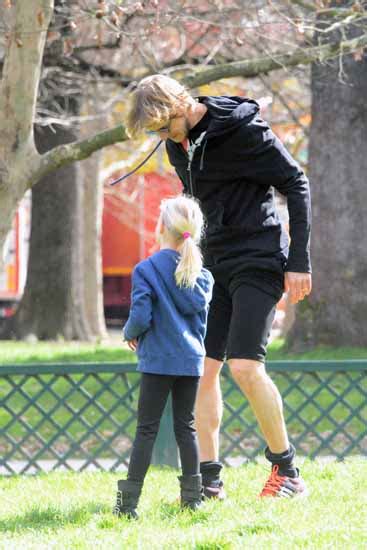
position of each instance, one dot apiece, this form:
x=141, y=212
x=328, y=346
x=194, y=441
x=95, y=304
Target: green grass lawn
x=73, y=511
x=12, y=352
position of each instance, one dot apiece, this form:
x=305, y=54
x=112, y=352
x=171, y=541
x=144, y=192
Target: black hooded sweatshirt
x=232, y=166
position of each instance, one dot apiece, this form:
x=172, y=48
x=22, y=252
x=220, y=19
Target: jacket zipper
x=188, y=169
x=190, y=156
x=190, y=178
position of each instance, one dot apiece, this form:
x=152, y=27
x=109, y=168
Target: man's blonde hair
x=154, y=101
x=184, y=221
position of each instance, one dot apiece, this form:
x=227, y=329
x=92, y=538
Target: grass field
x=12, y=352
x=62, y=352
x=73, y=511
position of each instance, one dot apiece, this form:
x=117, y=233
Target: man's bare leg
x=208, y=416
x=266, y=403
x=264, y=399
x=209, y=410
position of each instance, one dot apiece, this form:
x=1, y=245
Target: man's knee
x=249, y=373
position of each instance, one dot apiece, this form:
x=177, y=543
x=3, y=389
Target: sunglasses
x=154, y=132
x=165, y=128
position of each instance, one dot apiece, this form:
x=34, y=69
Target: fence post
x=165, y=448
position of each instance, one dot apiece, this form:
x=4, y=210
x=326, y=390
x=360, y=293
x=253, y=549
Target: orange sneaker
x=283, y=486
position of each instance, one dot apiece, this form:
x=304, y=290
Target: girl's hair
x=154, y=102
x=184, y=221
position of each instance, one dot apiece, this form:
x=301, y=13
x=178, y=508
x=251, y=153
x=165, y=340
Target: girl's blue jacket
x=168, y=321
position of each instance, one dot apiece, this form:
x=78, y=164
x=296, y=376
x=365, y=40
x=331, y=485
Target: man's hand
x=298, y=285
x=133, y=344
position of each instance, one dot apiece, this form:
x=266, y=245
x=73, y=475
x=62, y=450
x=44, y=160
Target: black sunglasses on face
x=153, y=132
x=165, y=128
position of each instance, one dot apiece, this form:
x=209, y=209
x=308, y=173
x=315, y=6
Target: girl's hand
x=133, y=344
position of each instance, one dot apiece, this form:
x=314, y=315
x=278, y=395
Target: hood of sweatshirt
x=187, y=300
x=228, y=112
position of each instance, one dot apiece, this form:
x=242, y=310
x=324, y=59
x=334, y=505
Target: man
x=227, y=157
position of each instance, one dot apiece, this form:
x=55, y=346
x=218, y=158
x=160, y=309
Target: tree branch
x=77, y=150
x=252, y=68
x=306, y=5
x=65, y=154
x=105, y=46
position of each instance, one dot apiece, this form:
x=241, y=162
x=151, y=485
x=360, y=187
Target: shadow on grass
x=52, y=518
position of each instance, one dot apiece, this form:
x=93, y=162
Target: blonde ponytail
x=190, y=264
x=184, y=221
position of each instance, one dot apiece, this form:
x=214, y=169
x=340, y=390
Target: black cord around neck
x=121, y=178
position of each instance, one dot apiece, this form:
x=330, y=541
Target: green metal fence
x=83, y=416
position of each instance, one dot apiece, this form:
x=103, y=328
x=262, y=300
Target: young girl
x=171, y=292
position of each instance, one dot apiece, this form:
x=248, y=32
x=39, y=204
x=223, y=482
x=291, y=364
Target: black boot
x=128, y=494
x=212, y=484
x=191, y=491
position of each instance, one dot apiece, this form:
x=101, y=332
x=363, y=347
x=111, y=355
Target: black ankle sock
x=210, y=471
x=284, y=461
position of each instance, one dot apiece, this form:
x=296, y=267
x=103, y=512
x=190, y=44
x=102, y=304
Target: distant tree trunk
x=93, y=206
x=53, y=302
x=336, y=312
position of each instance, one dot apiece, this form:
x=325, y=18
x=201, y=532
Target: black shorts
x=241, y=314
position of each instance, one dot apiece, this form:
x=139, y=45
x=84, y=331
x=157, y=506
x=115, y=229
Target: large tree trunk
x=63, y=294
x=18, y=93
x=53, y=302
x=336, y=312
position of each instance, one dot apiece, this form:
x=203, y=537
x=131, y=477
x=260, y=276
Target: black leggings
x=154, y=392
